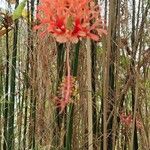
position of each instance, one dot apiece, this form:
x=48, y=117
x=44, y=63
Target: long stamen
x=67, y=85
x=68, y=73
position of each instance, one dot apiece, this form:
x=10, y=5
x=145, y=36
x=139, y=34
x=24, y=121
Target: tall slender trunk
x=6, y=92
x=109, y=81
x=60, y=67
x=93, y=75
x=32, y=124
x=11, y=118
x=89, y=89
x=132, y=67
x=69, y=126
x=1, y=95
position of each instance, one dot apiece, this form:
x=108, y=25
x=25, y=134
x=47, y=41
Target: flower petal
x=93, y=36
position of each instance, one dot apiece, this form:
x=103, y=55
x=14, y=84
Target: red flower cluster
x=70, y=20
x=127, y=120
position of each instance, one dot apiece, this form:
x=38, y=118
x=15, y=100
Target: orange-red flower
x=70, y=20
x=127, y=120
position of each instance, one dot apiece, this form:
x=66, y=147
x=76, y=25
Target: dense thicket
x=109, y=106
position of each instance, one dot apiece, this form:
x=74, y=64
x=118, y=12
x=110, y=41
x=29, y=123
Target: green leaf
x=18, y=11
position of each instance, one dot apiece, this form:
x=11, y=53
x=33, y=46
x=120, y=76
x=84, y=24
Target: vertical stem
x=33, y=56
x=69, y=131
x=133, y=147
x=109, y=81
x=93, y=82
x=6, y=92
x=116, y=76
x=105, y=99
x=11, y=137
x=89, y=84
x=133, y=23
x=21, y=118
x=25, y=99
x=106, y=4
x=71, y=107
x=1, y=94
x=60, y=67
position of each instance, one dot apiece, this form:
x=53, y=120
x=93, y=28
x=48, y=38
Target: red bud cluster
x=65, y=92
